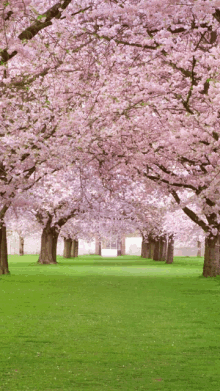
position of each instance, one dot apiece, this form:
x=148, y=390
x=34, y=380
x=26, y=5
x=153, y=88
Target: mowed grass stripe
x=91, y=265
x=92, y=324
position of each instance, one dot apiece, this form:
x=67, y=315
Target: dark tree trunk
x=72, y=249
x=119, y=245
x=98, y=246
x=49, y=238
x=21, y=245
x=151, y=250
x=148, y=251
x=48, y=252
x=199, y=249
x=3, y=250
x=54, y=246
x=75, y=248
x=144, y=248
x=123, y=245
x=170, y=249
x=211, y=266
x=67, y=248
x=163, y=248
x=156, y=254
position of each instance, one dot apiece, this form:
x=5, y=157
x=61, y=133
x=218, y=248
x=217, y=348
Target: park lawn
x=109, y=324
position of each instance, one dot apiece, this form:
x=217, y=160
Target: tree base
x=46, y=262
x=4, y=271
x=211, y=266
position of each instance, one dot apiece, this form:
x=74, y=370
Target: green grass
x=109, y=324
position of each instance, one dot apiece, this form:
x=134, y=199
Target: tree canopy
x=120, y=89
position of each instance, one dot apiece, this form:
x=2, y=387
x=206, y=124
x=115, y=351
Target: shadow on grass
x=29, y=339
x=125, y=261
x=106, y=263
x=98, y=261
x=95, y=260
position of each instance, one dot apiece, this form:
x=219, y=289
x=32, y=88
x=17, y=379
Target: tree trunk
x=98, y=246
x=199, y=250
x=67, y=248
x=72, y=249
x=75, y=248
x=3, y=251
x=170, y=249
x=152, y=245
x=144, y=248
x=21, y=245
x=148, y=251
x=119, y=245
x=211, y=266
x=163, y=248
x=48, y=252
x=156, y=254
x=123, y=245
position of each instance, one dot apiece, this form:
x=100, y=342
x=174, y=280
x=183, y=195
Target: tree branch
x=189, y=212
x=31, y=31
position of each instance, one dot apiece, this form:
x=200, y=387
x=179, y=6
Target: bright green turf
x=109, y=324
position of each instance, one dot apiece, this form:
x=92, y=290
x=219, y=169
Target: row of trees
x=130, y=88
x=88, y=211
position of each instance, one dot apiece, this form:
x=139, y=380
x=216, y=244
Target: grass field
x=109, y=324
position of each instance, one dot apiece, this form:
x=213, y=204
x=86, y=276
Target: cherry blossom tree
x=20, y=220
x=140, y=86
x=75, y=228
x=67, y=194
x=55, y=200
x=168, y=117
x=28, y=118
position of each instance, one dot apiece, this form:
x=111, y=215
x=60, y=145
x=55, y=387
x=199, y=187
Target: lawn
x=109, y=324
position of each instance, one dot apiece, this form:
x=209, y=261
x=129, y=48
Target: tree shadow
x=104, y=263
